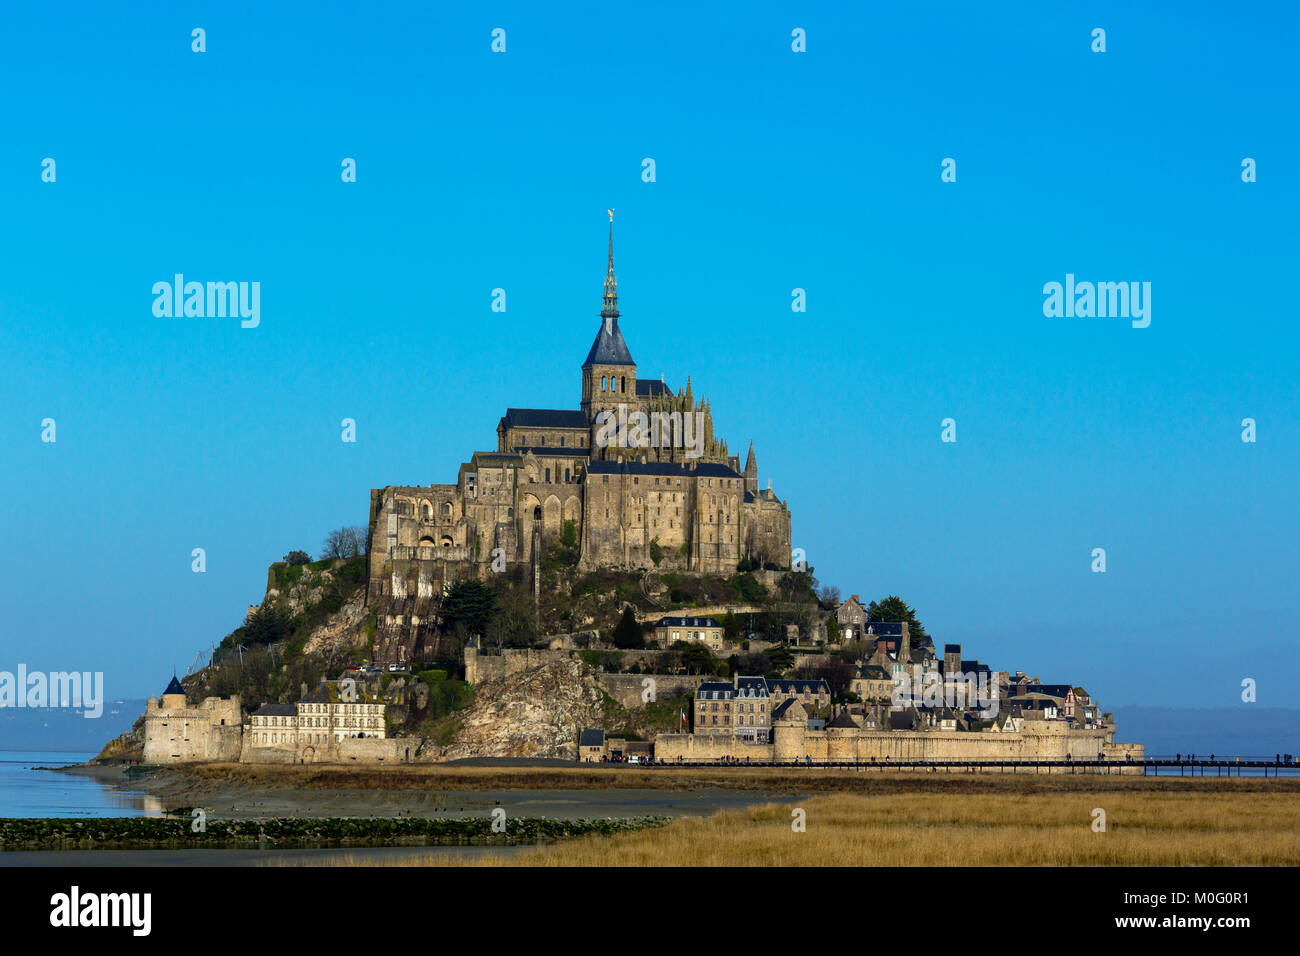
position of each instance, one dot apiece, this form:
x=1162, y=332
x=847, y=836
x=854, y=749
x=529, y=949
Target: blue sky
x=775, y=170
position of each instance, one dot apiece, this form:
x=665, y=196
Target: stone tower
x=751, y=471
x=609, y=374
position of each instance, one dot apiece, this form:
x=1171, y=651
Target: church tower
x=609, y=374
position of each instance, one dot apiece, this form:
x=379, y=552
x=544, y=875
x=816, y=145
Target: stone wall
x=347, y=750
x=1045, y=740
x=511, y=661
x=628, y=688
x=711, y=610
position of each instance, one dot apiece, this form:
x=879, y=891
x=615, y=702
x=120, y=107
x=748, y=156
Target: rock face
x=537, y=713
x=342, y=630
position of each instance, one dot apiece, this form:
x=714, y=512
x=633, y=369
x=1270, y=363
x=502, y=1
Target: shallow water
x=26, y=791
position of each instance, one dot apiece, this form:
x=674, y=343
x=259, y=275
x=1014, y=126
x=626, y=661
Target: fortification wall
x=347, y=750
x=1052, y=741
x=376, y=749
x=704, y=747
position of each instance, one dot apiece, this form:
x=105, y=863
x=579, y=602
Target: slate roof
x=901, y=720
x=651, y=387
x=609, y=347
x=276, y=710
x=842, y=719
x=784, y=706
x=544, y=418
x=873, y=672
x=796, y=686
x=591, y=738
x=687, y=622
x=552, y=451
x=719, y=689
x=751, y=687
x=174, y=687
x=885, y=628
x=701, y=470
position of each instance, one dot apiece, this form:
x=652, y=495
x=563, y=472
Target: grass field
x=1150, y=829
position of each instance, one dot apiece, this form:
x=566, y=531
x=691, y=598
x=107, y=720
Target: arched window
x=537, y=513
x=446, y=508
x=602, y=383
x=427, y=511
x=624, y=386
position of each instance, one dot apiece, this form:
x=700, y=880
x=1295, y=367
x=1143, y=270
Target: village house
x=701, y=630
x=851, y=617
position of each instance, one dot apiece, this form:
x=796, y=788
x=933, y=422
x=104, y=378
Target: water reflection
x=27, y=790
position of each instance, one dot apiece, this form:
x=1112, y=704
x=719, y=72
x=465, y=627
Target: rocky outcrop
x=537, y=713
x=342, y=630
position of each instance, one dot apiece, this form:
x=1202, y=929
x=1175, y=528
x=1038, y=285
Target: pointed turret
x=751, y=470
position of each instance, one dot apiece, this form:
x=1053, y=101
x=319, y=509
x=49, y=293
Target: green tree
x=266, y=625
x=470, y=604
x=297, y=557
x=781, y=658
x=698, y=659
x=567, y=552
x=627, y=633
x=894, y=609
x=656, y=552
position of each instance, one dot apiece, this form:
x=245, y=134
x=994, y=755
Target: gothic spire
x=609, y=348
x=610, y=309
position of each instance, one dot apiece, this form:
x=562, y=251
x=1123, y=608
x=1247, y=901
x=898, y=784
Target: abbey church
x=635, y=467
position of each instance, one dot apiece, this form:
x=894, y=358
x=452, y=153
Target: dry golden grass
x=1143, y=829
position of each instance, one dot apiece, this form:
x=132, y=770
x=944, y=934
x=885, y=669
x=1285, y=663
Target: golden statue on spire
x=611, y=214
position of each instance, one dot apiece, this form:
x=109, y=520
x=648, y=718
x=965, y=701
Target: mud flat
x=329, y=856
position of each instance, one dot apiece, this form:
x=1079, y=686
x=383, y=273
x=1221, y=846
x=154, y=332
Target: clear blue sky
x=775, y=170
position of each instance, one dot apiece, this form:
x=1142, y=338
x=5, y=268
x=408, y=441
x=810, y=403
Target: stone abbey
x=677, y=494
